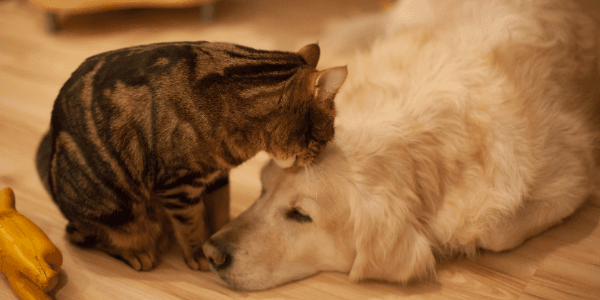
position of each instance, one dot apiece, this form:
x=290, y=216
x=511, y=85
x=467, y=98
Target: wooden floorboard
x=562, y=263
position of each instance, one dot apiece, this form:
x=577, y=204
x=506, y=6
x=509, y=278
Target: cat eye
x=297, y=216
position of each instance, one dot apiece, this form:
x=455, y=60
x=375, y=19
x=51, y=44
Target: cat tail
x=42, y=159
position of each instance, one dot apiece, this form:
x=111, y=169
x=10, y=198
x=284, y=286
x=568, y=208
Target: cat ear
x=329, y=81
x=311, y=54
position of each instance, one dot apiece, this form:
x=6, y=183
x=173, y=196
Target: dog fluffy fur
x=467, y=125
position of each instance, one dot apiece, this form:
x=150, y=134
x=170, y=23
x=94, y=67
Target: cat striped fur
x=142, y=139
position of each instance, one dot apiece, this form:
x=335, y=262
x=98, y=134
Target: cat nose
x=218, y=254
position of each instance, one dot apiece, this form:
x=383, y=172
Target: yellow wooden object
x=29, y=259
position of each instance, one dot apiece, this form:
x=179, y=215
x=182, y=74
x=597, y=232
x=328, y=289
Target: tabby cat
x=142, y=139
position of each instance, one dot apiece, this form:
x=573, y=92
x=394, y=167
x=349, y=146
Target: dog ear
x=389, y=236
x=390, y=250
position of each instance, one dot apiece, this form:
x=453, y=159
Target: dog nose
x=217, y=254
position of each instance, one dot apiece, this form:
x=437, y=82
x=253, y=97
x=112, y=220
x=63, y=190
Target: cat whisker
x=306, y=171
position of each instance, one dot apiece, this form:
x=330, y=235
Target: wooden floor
x=563, y=263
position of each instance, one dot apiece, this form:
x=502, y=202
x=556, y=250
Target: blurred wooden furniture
x=55, y=7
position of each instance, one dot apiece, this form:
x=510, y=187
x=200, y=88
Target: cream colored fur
x=467, y=125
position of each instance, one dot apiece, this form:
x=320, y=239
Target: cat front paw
x=140, y=261
x=198, y=261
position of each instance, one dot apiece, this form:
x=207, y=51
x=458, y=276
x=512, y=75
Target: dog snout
x=218, y=254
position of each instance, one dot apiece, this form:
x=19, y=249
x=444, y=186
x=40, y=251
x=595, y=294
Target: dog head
x=321, y=218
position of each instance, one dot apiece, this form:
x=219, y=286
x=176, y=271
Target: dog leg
x=533, y=218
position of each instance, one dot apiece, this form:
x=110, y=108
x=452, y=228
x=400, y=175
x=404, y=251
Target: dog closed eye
x=296, y=215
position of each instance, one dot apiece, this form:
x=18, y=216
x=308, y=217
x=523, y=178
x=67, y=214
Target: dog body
x=469, y=124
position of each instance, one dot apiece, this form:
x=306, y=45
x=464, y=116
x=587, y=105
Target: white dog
x=468, y=124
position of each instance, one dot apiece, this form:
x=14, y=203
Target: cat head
x=304, y=122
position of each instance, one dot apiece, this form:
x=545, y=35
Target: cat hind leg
x=81, y=236
x=137, y=243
